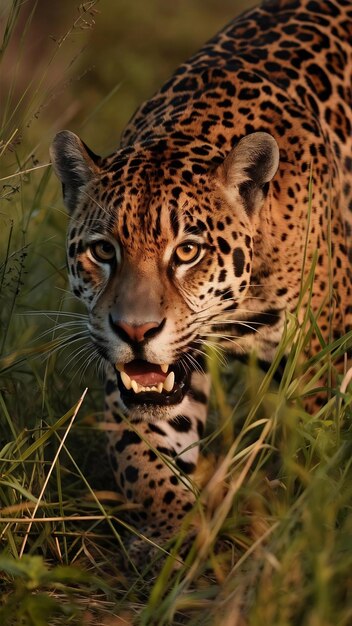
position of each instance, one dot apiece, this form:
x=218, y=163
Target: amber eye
x=187, y=252
x=103, y=251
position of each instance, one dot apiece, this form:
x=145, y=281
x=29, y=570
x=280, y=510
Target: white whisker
x=77, y=356
x=227, y=339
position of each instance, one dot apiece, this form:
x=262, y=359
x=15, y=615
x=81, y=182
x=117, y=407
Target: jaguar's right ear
x=74, y=164
x=248, y=169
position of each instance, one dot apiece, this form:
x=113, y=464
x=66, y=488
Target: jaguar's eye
x=103, y=251
x=187, y=252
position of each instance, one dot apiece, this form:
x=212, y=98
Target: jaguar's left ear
x=75, y=165
x=248, y=169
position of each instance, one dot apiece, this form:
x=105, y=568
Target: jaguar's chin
x=142, y=383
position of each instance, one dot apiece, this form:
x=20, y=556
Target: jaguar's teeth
x=135, y=386
x=130, y=383
x=169, y=382
x=126, y=380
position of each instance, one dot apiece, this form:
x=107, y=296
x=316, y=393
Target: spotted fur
x=220, y=157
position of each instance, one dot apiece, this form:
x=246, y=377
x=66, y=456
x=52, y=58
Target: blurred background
x=88, y=66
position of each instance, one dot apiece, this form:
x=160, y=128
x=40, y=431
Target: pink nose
x=137, y=333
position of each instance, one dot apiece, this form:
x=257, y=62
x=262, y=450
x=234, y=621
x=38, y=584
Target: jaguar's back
x=292, y=61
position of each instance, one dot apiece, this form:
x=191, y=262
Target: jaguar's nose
x=136, y=333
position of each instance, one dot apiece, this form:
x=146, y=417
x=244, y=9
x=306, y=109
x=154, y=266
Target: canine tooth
x=169, y=382
x=164, y=367
x=160, y=387
x=120, y=367
x=134, y=386
x=126, y=380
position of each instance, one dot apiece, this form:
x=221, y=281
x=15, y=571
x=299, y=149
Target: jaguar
x=201, y=227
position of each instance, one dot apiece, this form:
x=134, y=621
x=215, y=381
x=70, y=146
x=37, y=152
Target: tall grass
x=274, y=541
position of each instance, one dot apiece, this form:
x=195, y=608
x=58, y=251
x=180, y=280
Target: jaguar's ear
x=248, y=169
x=74, y=163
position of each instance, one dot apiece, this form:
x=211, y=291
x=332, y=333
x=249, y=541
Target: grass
x=278, y=500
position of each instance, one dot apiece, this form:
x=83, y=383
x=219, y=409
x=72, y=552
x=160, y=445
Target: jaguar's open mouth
x=141, y=382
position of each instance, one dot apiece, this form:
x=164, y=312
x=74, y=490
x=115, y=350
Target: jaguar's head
x=160, y=248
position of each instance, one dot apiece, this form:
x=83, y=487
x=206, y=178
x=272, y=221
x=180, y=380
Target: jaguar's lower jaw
x=130, y=398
